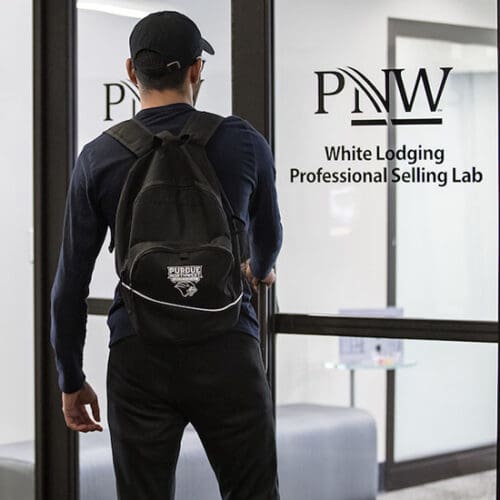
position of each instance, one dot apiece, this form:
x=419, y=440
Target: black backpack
x=178, y=244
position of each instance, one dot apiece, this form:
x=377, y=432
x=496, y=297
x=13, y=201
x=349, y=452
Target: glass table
x=381, y=364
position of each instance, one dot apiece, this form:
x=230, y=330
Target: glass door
x=387, y=164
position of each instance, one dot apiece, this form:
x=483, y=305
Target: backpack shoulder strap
x=201, y=126
x=134, y=136
x=198, y=130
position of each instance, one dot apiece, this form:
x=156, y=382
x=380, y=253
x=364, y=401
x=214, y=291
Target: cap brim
x=207, y=47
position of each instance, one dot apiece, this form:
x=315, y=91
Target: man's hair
x=151, y=71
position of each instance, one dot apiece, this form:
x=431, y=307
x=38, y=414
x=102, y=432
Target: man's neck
x=152, y=99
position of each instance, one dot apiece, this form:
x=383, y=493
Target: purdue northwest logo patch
x=184, y=278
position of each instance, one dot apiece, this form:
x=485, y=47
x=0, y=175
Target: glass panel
x=446, y=247
x=17, y=426
x=356, y=119
x=106, y=96
x=451, y=379
x=332, y=412
x=96, y=463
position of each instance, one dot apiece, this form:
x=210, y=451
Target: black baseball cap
x=172, y=35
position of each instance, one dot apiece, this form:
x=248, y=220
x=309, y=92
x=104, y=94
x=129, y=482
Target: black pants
x=219, y=386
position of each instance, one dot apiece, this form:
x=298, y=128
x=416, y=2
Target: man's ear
x=131, y=71
x=195, y=72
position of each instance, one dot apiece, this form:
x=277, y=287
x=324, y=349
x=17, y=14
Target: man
x=217, y=384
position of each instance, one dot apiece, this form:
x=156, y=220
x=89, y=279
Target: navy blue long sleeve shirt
x=243, y=162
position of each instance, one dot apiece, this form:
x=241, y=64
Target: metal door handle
x=263, y=317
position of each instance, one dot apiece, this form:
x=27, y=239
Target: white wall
x=16, y=218
x=335, y=240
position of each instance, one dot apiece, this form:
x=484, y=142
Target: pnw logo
x=118, y=94
x=185, y=278
x=331, y=83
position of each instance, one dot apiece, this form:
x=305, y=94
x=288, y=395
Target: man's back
x=243, y=163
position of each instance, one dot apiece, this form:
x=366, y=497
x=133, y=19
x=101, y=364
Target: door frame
x=54, y=120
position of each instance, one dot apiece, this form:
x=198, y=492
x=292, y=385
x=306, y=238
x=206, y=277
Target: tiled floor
x=481, y=486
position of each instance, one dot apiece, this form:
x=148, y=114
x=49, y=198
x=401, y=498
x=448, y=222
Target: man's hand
x=268, y=280
x=75, y=413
